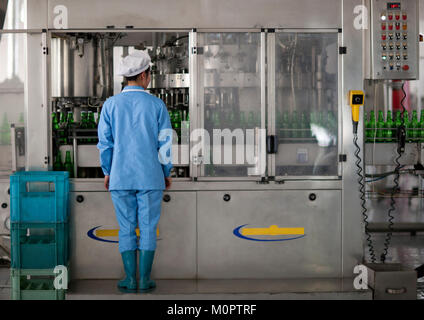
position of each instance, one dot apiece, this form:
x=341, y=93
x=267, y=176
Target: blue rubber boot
x=145, y=265
x=129, y=258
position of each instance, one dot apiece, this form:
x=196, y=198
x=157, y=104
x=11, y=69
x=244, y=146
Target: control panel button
x=383, y=26
x=404, y=16
x=383, y=37
x=397, y=56
x=391, y=45
x=390, y=16
x=391, y=55
x=390, y=26
x=405, y=67
x=397, y=25
x=397, y=16
x=384, y=46
x=405, y=45
x=405, y=35
x=397, y=36
x=398, y=46
x=384, y=57
x=405, y=56
x=405, y=26
x=390, y=36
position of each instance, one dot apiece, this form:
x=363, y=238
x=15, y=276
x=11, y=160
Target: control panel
x=394, y=39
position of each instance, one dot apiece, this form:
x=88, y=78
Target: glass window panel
x=13, y=14
x=12, y=78
x=307, y=104
x=231, y=92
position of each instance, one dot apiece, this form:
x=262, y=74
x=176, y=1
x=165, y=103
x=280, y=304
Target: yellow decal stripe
x=115, y=232
x=272, y=231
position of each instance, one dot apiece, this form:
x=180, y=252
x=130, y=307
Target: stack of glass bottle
x=303, y=127
x=382, y=129
x=64, y=128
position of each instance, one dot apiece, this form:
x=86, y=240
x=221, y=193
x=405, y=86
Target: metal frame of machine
x=198, y=223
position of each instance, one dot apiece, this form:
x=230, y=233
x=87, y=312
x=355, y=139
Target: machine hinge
x=271, y=144
x=342, y=157
x=46, y=50
x=197, y=50
x=342, y=50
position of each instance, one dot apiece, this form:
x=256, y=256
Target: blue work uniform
x=135, y=140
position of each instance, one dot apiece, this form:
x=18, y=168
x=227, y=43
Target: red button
x=404, y=17
x=405, y=67
x=383, y=37
x=397, y=17
x=390, y=17
x=390, y=27
x=383, y=26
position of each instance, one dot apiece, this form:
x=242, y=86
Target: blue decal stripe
x=238, y=234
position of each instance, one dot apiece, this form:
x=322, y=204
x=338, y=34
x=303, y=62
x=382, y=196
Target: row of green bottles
x=63, y=122
x=300, y=125
x=219, y=120
x=67, y=166
x=385, y=130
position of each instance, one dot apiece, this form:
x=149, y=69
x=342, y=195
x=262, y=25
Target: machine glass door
x=230, y=93
x=306, y=104
x=12, y=103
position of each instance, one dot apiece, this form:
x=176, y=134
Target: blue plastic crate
x=39, y=246
x=35, y=285
x=39, y=197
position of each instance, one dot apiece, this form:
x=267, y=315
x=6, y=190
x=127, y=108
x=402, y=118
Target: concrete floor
x=404, y=249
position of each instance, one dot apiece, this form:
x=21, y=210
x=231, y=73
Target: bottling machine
x=280, y=199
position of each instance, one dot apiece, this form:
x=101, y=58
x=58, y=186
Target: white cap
x=134, y=64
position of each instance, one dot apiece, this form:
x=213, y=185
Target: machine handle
x=227, y=197
x=396, y=291
x=80, y=199
x=166, y=198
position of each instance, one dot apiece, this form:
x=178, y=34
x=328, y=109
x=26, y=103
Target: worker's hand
x=168, y=182
x=107, y=182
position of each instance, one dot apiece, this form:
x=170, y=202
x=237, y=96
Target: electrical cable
x=395, y=188
x=361, y=179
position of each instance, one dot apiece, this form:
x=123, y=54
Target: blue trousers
x=137, y=206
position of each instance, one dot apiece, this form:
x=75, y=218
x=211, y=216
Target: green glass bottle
x=58, y=165
x=295, y=125
x=251, y=120
x=332, y=122
x=388, y=133
x=69, y=165
x=367, y=127
x=422, y=126
x=216, y=121
x=5, y=131
x=286, y=125
x=373, y=126
x=304, y=125
x=177, y=124
x=407, y=124
x=55, y=123
x=415, y=126
x=380, y=127
x=242, y=120
x=231, y=119
x=91, y=124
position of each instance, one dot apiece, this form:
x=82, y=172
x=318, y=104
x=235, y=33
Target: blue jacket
x=135, y=140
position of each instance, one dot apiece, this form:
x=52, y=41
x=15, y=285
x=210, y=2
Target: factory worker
x=135, y=140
